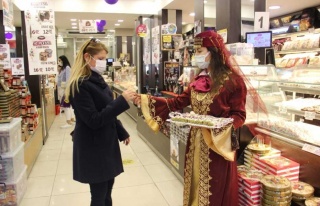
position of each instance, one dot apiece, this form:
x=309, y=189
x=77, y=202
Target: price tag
x=312, y=149
x=310, y=115
x=261, y=21
x=282, y=109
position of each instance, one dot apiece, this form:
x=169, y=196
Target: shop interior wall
x=69, y=51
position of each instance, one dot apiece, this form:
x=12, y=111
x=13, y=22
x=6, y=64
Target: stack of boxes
x=28, y=111
x=272, y=163
x=9, y=104
x=249, y=186
x=13, y=175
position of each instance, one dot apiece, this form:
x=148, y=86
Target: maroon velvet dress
x=209, y=179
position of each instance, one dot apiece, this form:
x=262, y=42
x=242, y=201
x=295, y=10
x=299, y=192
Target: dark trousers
x=101, y=193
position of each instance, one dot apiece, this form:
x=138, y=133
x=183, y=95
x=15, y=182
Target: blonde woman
x=96, y=152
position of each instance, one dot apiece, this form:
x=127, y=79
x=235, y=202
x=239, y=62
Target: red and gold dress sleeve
x=156, y=109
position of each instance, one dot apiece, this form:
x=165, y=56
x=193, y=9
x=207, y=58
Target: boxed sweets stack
x=12, y=164
x=280, y=166
x=249, y=186
x=9, y=104
x=301, y=191
x=251, y=157
x=10, y=136
x=276, y=190
x=12, y=192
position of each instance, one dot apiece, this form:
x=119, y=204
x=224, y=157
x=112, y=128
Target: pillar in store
x=19, y=42
x=168, y=16
x=2, y=29
x=199, y=12
x=260, y=53
x=33, y=80
x=229, y=17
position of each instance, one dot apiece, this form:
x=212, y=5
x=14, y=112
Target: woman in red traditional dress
x=210, y=177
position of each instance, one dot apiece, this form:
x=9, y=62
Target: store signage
x=169, y=28
x=174, y=151
x=309, y=115
x=41, y=42
x=261, y=21
x=87, y=26
x=7, y=7
x=17, y=66
x=224, y=34
x=142, y=30
x=171, y=42
x=155, y=34
x=5, y=56
x=312, y=149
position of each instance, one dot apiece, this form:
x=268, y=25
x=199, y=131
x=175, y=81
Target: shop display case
x=292, y=119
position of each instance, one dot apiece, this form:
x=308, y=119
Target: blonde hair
x=80, y=68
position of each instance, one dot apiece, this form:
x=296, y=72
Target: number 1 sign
x=261, y=21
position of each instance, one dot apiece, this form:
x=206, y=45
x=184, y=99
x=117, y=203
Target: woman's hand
x=137, y=100
x=129, y=95
x=126, y=141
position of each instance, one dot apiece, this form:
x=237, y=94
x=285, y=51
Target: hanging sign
x=41, y=41
x=171, y=42
x=174, y=151
x=142, y=30
x=261, y=21
x=224, y=34
x=17, y=66
x=5, y=56
x=7, y=7
x=155, y=45
x=87, y=26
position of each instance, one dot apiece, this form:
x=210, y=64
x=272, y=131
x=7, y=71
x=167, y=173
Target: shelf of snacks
x=298, y=51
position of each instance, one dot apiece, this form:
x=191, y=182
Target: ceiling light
x=73, y=19
x=205, y=1
x=74, y=27
x=274, y=7
x=111, y=30
x=74, y=24
x=192, y=14
x=120, y=20
x=117, y=24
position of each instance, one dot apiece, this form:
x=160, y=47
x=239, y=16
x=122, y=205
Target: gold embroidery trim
x=148, y=111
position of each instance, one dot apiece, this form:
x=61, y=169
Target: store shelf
x=315, y=91
x=300, y=33
x=297, y=112
x=280, y=137
x=298, y=51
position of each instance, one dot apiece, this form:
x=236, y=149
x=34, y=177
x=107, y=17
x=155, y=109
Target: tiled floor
x=146, y=181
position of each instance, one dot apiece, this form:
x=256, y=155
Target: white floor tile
x=148, y=158
x=47, y=168
x=144, y=195
x=80, y=199
x=40, y=201
x=64, y=167
x=48, y=155
x=172, y=192
x=140, y=146
x=132, y=176
x=66, y=154
x=52, y=145
x=64, y=184
x=39, y=187
x=160, y=173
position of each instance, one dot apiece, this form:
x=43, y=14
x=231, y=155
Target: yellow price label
x=166, y=38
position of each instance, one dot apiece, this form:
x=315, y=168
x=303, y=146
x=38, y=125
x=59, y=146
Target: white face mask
x=100, y=67
x=201, y=61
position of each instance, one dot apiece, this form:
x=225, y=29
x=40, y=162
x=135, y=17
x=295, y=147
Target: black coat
x=96, y=150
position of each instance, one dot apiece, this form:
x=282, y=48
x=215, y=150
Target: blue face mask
x=201, y=61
